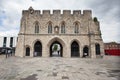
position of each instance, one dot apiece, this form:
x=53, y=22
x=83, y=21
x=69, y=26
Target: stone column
x=32, y=51
x=102, y=48
x=92, y=46
x=20, y=47
x=81, y=50
x=67, y=51
x=45, y=49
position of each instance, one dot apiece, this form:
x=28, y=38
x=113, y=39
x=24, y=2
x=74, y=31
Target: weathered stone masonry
x=77, y=33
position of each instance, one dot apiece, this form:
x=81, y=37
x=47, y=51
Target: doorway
x=75, y=49
x=97, y=48
x=38, y=49
x=85, y=51
x=27, y=51
x=56, y=49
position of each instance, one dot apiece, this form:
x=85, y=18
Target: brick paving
x=57, y=68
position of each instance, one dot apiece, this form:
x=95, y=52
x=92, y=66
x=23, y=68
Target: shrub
x=95, y=19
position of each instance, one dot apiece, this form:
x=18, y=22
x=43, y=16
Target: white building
x=8, y=41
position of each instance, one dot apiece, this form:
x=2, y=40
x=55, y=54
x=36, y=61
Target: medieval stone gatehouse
x=76, y=33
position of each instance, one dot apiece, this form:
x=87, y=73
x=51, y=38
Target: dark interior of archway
x=38, y=49
x=27, y=51
x=97, y=46
x=75, y=49
x=85, y=52
x=61, y=49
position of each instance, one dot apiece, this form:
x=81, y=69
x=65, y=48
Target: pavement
x=57, y=68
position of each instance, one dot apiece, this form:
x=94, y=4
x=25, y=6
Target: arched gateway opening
x=75, y=49
x=56, y=49
x=38, y=49
x=85, y=51
x=27, y=51
x=97, y=48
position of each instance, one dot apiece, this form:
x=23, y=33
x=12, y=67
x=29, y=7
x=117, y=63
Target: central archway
x=38, y=49
x=59, y=49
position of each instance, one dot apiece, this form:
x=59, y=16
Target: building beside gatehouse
x=7, y=42
x=78, y=35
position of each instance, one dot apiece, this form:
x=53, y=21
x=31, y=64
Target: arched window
x=27, y=51
x=63, y=27
x=50, y=28
x=97, y=48
x=36, y=27
x=76, y=29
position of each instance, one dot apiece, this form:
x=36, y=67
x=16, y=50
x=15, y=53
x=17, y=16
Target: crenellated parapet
x=31, y=11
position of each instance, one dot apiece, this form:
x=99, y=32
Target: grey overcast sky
x=107, y=12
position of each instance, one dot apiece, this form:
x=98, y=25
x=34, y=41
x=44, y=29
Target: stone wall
x=89, y=31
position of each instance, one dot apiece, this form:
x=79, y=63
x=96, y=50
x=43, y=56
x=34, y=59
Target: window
x=11, y=42
x=63, y=28
x=97, y=48
x=4, y=41
x=36, y=27
x=76, y=30
x=49, y=28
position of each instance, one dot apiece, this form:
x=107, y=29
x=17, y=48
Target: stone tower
x=78, y=35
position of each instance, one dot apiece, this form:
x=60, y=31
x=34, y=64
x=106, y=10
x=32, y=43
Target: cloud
x=107, y=12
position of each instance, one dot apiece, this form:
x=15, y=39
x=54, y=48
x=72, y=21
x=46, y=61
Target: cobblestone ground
x=56, y=68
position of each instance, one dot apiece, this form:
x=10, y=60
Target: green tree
x=55, y=47
x=95, y=19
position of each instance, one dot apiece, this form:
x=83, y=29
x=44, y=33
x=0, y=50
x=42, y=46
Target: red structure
x=112, y=48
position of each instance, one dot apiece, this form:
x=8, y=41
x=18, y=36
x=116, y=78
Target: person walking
x=9, y=53
x=6, y=53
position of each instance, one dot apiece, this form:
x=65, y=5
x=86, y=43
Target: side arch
x=27, y=50
x=76, y=41
x=86, y=51
x=37, y=48
x=97, y=48
x=75, y=48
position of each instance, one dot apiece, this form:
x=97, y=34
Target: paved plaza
x=57, y=68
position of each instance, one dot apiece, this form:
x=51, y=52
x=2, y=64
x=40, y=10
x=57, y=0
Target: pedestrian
x=9, y=52
x=6, y=53
x=85, y=54
x=35, y=54
x=58, y=53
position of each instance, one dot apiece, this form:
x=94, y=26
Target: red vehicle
x=112, y=48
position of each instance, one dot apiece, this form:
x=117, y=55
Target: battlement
x=56, y=12
x=76, y=12
x=87, y=13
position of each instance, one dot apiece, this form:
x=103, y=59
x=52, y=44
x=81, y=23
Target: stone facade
x=78, y=28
